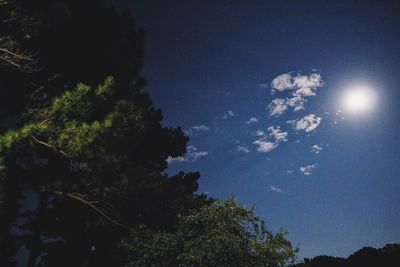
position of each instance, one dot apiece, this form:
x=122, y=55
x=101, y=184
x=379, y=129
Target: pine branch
x=50, y=146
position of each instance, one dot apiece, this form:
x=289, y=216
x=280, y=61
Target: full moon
x=359, y=99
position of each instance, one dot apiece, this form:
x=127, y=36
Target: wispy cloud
x=289, y=172
x=243, y=149
x=270, y=139
x=252, y=120
x=227, y=114
x=316, y=149
x=201, y=128
x=275, y=189
x=301, y=87
x=192, y=154
x=258, y=133
x=308, y=123
x=306, y=170
x=194, y=130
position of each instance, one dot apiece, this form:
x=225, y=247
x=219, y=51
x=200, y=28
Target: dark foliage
x=217, y=235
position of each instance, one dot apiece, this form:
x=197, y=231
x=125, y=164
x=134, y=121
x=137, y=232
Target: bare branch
x=19, y=56
x=17, y=59
x=76, y=196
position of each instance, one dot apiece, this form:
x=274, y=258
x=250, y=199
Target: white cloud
x=270, y=140
x=308, y=123
x=296, y=102
x=289, y=172
x=263, y=85
x=282, y=82
x=277, y=134
x=277, y=107
x=194, y=130
x=191, y=155
x=301, y=86
x=306, y=170
x=307, y=85
x=316, y=149
x=265, y=146
x=275, y=189
x=244, y=149
x=252, y=120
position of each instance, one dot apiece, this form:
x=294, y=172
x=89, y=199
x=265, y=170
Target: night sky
x=264, y=90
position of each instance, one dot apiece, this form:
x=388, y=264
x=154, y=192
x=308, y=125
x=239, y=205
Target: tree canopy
x=220, y=234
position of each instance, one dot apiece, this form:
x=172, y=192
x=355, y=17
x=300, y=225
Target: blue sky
x=330, y=178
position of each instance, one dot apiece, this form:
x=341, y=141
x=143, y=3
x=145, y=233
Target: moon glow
x=359, y=100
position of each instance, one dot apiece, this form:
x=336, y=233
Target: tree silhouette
x=388, y=256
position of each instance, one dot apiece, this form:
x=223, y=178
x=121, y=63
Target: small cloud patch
x=316, y=149
x=252, y=120
x=307, y=170
x=308, y=123
x=277, y=134
x=264, y=146
x=243, y=149
x=270, y=140
x=275, y=189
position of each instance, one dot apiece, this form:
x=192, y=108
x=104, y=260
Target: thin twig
x=10, y=62
x=44, y=85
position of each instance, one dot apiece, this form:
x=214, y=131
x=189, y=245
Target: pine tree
x=79, y=137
